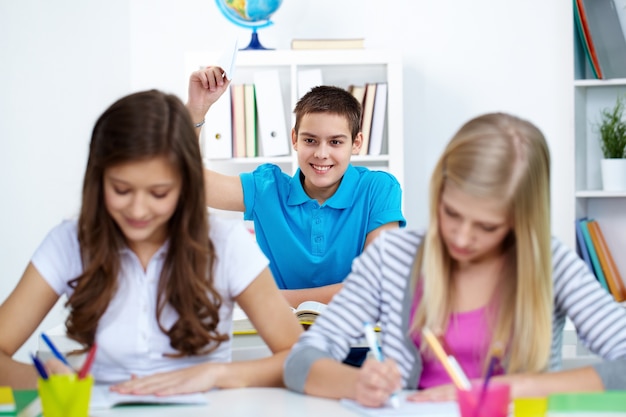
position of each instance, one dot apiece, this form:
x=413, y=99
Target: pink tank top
x=467, y=339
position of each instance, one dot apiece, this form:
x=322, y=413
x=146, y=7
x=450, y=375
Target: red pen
x=84, y=371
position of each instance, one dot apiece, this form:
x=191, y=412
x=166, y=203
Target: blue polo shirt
x=309, y=245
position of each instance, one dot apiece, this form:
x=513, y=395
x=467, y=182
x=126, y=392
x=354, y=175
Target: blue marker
x=39, y=366
x=54, y=350
x=372, y=341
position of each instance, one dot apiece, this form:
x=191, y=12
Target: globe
x=250, y=14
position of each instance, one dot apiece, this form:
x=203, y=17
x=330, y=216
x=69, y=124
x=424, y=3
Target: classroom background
x=64, y=62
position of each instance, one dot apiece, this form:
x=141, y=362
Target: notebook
x=407, y=408
x=103, y=398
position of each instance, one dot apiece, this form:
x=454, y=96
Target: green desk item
x=22, y=399
x=596, y=402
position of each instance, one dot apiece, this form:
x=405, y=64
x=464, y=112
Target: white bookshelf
x=607, y=207
x=340, y=68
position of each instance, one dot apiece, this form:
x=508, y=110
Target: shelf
x=339, y=67
x=600, y=83
x=600, y=194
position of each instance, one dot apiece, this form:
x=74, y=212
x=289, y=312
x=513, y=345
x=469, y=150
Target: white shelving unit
x=607, y=207
x=339, y=68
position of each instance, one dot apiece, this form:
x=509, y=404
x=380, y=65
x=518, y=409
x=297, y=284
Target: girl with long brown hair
x=149, y=276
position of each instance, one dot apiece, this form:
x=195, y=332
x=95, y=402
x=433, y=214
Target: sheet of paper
x=407, y=408
x=228, y=58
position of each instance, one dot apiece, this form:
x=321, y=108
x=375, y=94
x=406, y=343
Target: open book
x=306, y=313
x=102, y=398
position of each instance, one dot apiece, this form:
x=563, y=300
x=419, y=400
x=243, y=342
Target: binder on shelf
x=378, y=120
x=216, y=135
x=582, y=27
x=611, y=273
x=606, y=36
x=368, y=111
x=239, y=120
x=582, y=246
x=273, y=139
x=308, y=79
x=593, y=255
x=251, y=119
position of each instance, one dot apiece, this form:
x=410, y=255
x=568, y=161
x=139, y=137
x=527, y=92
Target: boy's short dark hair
x=330, y=99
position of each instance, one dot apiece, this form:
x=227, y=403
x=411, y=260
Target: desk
x=243, y=402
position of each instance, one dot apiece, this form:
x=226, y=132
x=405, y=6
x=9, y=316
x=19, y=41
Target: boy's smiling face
x=324, y=145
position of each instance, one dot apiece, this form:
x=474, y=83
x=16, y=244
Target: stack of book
x=373, y=99
x=248, y=122
x=594, y=250
x=601, y=37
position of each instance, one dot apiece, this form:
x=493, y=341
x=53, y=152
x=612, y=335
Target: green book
x=23, y=398
x=592, y=403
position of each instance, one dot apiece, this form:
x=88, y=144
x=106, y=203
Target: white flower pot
x=613, y=174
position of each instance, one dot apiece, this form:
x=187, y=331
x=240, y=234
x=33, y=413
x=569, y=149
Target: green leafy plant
x=612, y=129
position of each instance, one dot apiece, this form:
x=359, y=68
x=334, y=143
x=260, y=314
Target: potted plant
x=612, y=131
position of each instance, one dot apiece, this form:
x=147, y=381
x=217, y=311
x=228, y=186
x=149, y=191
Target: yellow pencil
x=448, y=361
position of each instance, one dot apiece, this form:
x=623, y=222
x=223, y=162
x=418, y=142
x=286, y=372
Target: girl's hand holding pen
x=376, y=382
x=440, y=393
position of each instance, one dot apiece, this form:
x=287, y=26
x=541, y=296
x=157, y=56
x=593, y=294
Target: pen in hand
x=372, y=341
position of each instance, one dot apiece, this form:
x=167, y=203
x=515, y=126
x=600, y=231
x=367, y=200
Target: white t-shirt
x=128, y=336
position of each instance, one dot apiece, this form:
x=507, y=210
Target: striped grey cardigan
x=377, y=290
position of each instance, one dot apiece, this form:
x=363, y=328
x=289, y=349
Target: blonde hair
x=497, y=156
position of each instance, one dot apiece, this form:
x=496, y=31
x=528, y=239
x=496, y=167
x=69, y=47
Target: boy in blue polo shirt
x=312, y=225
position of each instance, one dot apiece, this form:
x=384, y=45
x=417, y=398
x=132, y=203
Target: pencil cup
x=494, y=402
x=65, y=395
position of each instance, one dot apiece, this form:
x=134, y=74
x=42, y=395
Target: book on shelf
x=358, y=92
x=368, y=112
x=583, y=252
x=330, y=43
x=250, y=111
x=611, y=273
x=597, y=268
x=272, y=138
x=239, y=120
x=217, y=130
x=582, y=28
x=377, y=131
x=605, y=36
x=306, y=312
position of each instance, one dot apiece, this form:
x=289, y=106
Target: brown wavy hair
x=142, y=126
x=330, y=99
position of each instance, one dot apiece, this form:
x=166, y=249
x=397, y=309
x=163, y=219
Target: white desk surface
x=243, y=402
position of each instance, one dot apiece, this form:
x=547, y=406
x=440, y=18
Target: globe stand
x=254, y=43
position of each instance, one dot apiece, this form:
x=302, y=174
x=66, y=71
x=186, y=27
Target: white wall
x=67, y=60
